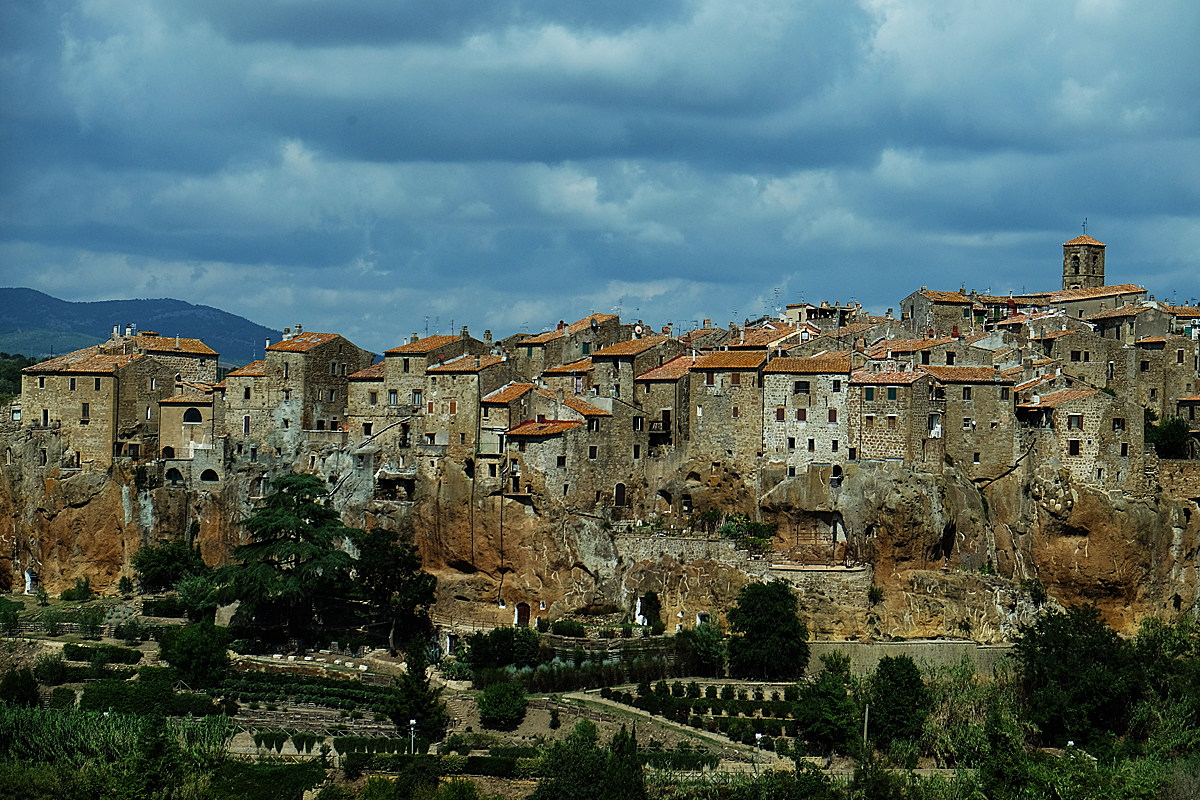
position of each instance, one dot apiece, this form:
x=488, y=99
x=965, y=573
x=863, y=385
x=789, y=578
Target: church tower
x=1083, y=263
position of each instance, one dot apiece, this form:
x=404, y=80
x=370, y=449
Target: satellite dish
x=637, y=329
x=595, y=324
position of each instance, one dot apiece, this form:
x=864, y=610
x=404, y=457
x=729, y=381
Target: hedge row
x=164, y=607
x=110, y=653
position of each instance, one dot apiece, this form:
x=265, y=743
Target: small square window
x=791, y=443
x=891, y=421
x=800, y=387
x=834, y=445
x=966, y=393
x=1073, y=447
x=735, y=412
x=977, y=458
x=869, y=394
x=801, y=414
x=780, y=414
x=735, y=379
x=592, y=452
x=1124, y=449
x=73, y=384
x=561, y=462
x=97, y=384
x=791, y=472
x=373, y=397
x=891, y=393
x=833, y=416
x=710, y=379
x=637, y=451
x=521, y=447
x=869, y=421
x=1004, y=393
x=837, y=386
x=367, y=428
x=812, y=445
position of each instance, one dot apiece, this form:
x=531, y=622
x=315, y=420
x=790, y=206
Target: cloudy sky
x=362, y=166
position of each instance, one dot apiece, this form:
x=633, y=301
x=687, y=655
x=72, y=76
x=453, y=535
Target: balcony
x=657, y=426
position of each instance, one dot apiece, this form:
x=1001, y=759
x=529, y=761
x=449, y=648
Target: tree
x=1079, y=676
x=415, y=699
x=624, y=776
x=899, y=700
x=502, y=705
x=769, y=641
x=396, y=586
x=161, y=566
x=575, y=767
x=1171, y=439
x=18, y=687
x=827, y=713
x=704, y=646
x=198, y=595
x=196, y=651
x=293, y=560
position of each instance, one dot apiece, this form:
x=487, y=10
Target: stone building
x=534, y=355
x=726, y=390
x=102, y=406
x=1083, y=263
x=979, y=430
x=453, y=395
x=312, y=368
x=933, y=313
x=806, y=419
x=664, y=393
x=574, y=378
x=1084, y=302
x=616, y=366
x=895, y=416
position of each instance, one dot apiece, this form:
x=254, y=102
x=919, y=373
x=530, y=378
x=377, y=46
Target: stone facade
x=806, y=418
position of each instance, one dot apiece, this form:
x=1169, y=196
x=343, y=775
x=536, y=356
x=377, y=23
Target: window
x=541, y=417
x=780, y=414
x=492, y=471
x=1145, y=368
x=521, y=446
x=529, y=352
x=486, y=412
x=1118, y=424
x=791, y=443
x=616, y=390
x=416, y=397
x=246, y=425
x=1004, y=393
x=977, y=458
x=853, y=454
x=791, y=472
x=925, y=357
x=801, y=414
x=833, y=415
x=148, y=410
x=246, y=393
x=286, y=369
x=41, y=383
x=287, y=394
x=1178, y=356
x=97, y=384
x=834, y=445
x=73, y=384
x=462, y=438
x=393, y=397
x=431, y=438
x=287, y=423
x=373, y=397
x=593, y=424
x=812, y=445
x=331, y=395
x=966, y=393
x=891, y=393
x=637, y=451
x=837, y=386
x=699, y=411
x=869, y=421
x=86, y=412
x=1087, y=356
x=1124, y=449
x=193, y=415
x=735, y=379
x=367, y=428
x=561, y=462
x=592, y=452
x=735, y=412
x=453, y=406
x=1073, y=447
x=333, y=368
x=966, y=423
x=801, y=387
x=404, y=365
x=639, y=423
x=430, y=406
x=710, y=379
x=892, y=420
x=1076, y=355
x=585, y=348
x=950, y=358
x=1153, y=394
x=869, y=394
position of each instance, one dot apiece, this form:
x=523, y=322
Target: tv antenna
x=1085, y=226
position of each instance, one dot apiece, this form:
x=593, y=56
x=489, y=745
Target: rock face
x=948, y=555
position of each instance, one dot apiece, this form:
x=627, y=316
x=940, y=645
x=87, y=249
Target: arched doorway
x=174, y=477
x=209, y=476
x=168, y=452
x=522, y=619
x=619, y=495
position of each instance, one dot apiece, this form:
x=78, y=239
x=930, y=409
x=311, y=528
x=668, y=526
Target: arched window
x=174, y=477
x=619, y=495
x=209, y=476
x=168, y=452
x=1075, y=263
x=192, y=415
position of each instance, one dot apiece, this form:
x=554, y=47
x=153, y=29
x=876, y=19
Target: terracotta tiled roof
x=1085, y=239
x=303, y=342
x=255, y=369
x=541, y=338
x=1193, y=399
x=631, y=347
x=672, y=370
x=87, y=360
x=1152, y=340
x=375, y=372
x=579, y=406
x=946, y=297
x=764, y=337
x=188, y=400
x=574, y=327
x=1129, y=310
x=550, y=427
x=1058, y=398
x=1020, y=387
x=815, y=365
x=1064, y=295
x=698, y=333
x=1188, y=312
x=466, y=363
x=731, y=359
x=893, y=378
x=966, y=374
x=422, y=346
x=586, y=322
x=1002, y=300
x=506, y=394
x=583, y=365
x=1051, y=335
x=166, y=344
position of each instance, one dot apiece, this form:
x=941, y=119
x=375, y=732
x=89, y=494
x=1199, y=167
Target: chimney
x=487, y=337
x=708, y=323
x=561, y=324
x=464, y=333
x=268, y=346
x=476, y=362
x=558, y=403
x=129, y=329
x=415, y=338
x=177, y=341
x=287, y=334
x=889, y=314
x=116, y=330
x=299, y=329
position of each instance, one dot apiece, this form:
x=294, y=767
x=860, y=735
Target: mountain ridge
x=36, y=324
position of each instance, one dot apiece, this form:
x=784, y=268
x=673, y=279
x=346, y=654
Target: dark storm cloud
x=360, y=166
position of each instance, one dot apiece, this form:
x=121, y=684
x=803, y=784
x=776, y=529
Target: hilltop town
x=611, y=425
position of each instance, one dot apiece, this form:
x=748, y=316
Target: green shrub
x=9, y=619
x=502, y=705
x=62, y=697
x=568, y=627
x=125, y=586
x=52, y=620
x=875, y=594
x=115, y=655
x=169, y=607
x=51, y=669
x=18, y=687
x=83, y=589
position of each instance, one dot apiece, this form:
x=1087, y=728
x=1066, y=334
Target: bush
x=115, y=655
x=83, y=589
x=125, y=586
x=62, y=697
x=502, y=705
x=166, y=607
x=568, y=627
x=18, y=687
x=51, y=669
x=52, y=620
x=9, y=621
x=875, y=594
x=162, y=566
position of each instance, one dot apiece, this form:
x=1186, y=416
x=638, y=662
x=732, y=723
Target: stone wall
x=1179, y=478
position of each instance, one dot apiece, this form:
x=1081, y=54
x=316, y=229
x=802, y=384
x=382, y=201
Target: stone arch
x=174, y=477
x=193, y=415
x=209, y=476
x=168, y=452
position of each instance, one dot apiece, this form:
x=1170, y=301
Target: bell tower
x=1083, y=263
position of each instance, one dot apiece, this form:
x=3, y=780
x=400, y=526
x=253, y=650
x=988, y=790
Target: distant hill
x=36, y=324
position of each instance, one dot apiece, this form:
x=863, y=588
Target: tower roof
x=1085, y=239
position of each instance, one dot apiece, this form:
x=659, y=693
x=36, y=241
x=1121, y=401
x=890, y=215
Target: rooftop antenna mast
x=426, y=324
x=1085, y=226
